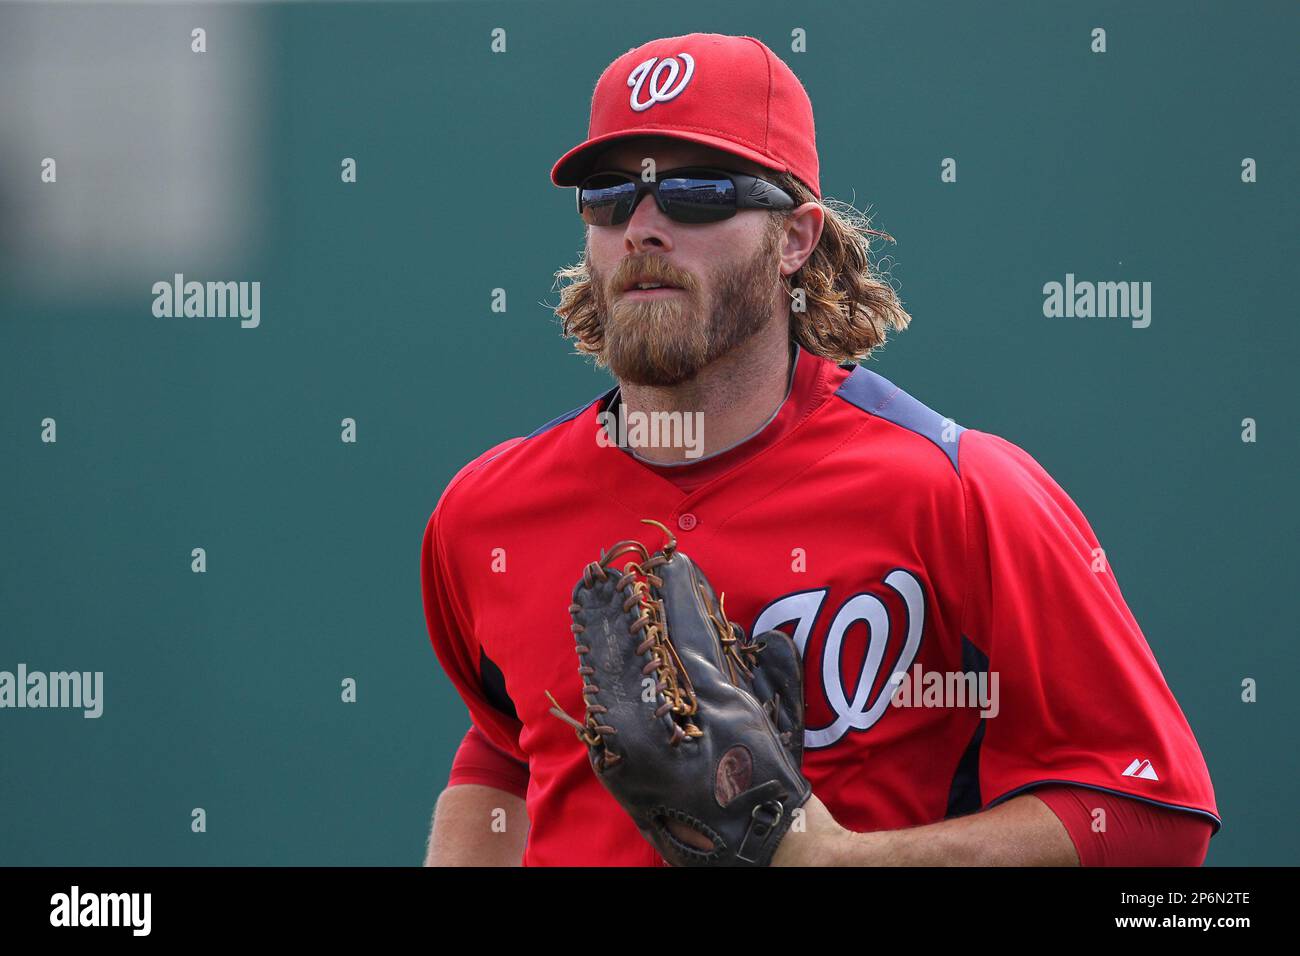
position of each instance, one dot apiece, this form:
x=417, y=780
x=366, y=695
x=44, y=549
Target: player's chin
x=651, y=360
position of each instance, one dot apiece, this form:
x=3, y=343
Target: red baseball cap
x=728, y=92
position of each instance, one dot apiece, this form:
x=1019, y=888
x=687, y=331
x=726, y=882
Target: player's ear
x=801, y=231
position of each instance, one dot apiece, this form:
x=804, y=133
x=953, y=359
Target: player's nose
x=648, y=227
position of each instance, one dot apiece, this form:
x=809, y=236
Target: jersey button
x=687, y=521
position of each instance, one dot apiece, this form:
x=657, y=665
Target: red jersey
x=910, y=559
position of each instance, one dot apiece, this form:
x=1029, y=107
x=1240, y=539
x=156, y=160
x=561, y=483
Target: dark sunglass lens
x=604, y=200
x=699, y=198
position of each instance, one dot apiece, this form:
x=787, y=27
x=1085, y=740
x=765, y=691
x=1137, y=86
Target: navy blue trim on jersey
x=571, y=415
x=964, y=791
x=878, y=396
x=494, y=685
x=566, y=417
x=1117, y=793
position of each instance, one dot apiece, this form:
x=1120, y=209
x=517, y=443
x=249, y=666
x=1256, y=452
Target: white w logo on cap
x=661, y=89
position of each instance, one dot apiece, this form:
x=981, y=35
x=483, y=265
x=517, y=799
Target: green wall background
x=222, y=689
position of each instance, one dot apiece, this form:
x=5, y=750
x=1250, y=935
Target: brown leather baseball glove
x=688, y=724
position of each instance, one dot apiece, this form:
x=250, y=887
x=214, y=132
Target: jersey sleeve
x=453, y=638
x=1135, y=833
x=1080, y=696
x=478, y=761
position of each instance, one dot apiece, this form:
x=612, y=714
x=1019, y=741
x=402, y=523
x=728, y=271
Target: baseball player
x=976, y=689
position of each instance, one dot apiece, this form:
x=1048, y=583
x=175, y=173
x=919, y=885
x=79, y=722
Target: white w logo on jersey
x=801, y=609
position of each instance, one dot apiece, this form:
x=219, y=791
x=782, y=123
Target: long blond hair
x=849, y=302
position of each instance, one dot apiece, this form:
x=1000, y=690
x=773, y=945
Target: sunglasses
x=694, y=194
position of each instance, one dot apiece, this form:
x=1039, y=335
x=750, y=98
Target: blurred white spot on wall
x=159, y=150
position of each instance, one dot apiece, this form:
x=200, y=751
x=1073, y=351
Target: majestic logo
x=1141, y=769
x=661, y=88
x=802, y=610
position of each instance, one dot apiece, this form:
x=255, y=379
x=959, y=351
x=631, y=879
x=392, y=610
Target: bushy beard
x=666, y=341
